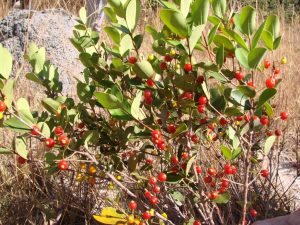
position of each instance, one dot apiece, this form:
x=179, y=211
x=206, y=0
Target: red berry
x=81, y=125
x=35, y=130
x=63, y=165
x=222, y=190
x=207, y=179
x=239, y=75
x=223, y=121
x=253, y=213
x=185, y=155
x=161, y=145
x=200, y=79
x=239, y=118
x=264, y=120
x=147, y=94
x=150, y=82
x=174, y=160
x=21, y=160
x=58, y=131
x=188, y=67
x=2, y=106
x=201, y=108
x=264, y=173
x=284, y=115
x=132, y=205
x=149, y=161
x=233, y=169
x=132, y=60
x=203, y=121
x=171, y=128
x=163, y=66
x=156, y=189
x=211, y=171
x=63, y=140
x=202, y=100
x=276, y=71
x=168, y=58
x=251, y=84
x=146, y=215
x=147, y=194
x=187, y=95
x=153, y=200
x=156, y=134
x=50, y=143
x=224, y=183
x=149, y=101
x=227, y=169
x=278, y=132
x=197, y=222
x=270, y=82
x=152, y=180
x=195, y=138
x=214, y=195
x=231, y=55
x=198, y=169
x=267, y=64
x=162, y=177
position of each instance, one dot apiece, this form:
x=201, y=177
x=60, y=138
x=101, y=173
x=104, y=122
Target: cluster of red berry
x=157, y=140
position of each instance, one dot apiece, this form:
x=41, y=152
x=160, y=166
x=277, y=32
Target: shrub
x=182, y=133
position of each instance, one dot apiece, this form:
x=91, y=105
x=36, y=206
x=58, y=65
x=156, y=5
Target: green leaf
x=265, y=96
x=237, y=38
x=5, y=151
x=16, y=125
x=222, y=198
x=133, y=11
x=233, y=111
x=236, y=152
x=120, y=114
x=267, y=37
x=125, y=45
x=20, y=147
x=38, y=58
x=84, y=91
x=226, y=152
x=195, y=36
x=220, y=56
x=8, y=91
x=108, y=101
x=242, y=56
x=177, y=197
x=185, y=7
x=51, y=105
x=246, y=90
x=217, y=76
x=272, y=25
x=24, y=110
x=189, y=164
x=222, y=40
x=180, y=129
x=268, y=144
x=45, y=130
x=82, y=15
x=173, y=178
x=212, y=33
x=269, y=110
x=246, y=20
x=219, y=7
x=277, y=43
x=175, y=21
x=200, y=11
x=5, y=62
x=257, y=35
x=111, y=216
x=110, y=14
x=136, y=111
x=117, y=6
x=169, y=5
x=217, y=99
x=143, y=69
x=114, y=34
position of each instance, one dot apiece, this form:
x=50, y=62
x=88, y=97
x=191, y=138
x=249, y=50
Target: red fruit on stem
x=253, y=213
x=49, y=142
x=264, y=173
x=156, y=189
x=58, y=131
x=147, y=94
x=264, y=120
x=200, y=79
x=214, y=195
x=233, y=169
x=161, y=145
x=251, y=84
x=187, y=95
x=63, y=165
x=197, y=222
x=224, y=183
x=156, y=134
x=185, y=155
x=239, y=118
x=284, y=115
x=201, y=108
x=21, y=160
x=208, y=179
x=35, y=130
x=267, y=64
x=146, y=215
x=162, y=177
x=147, y=194
x=202, y=100
x=278, y=132
x=149, y=101
x=163, y=66
x=198, y=169
x=223, y=121
x=132, y=205
x=203, y=121
x=152, y=180
x=150, y=82
x=195, y=138
x=153, y=200
x=211, y=171
x=63, y=140
x=81, y=125
x=174, y=160
x=188, y=67
x=276, y=71
x=3, y=106
x=132, y=59
x=270, y=82
x=168, y=58
x=239, y=75
x=171, y=128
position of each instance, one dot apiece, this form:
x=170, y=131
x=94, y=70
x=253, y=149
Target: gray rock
x=50, y=29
